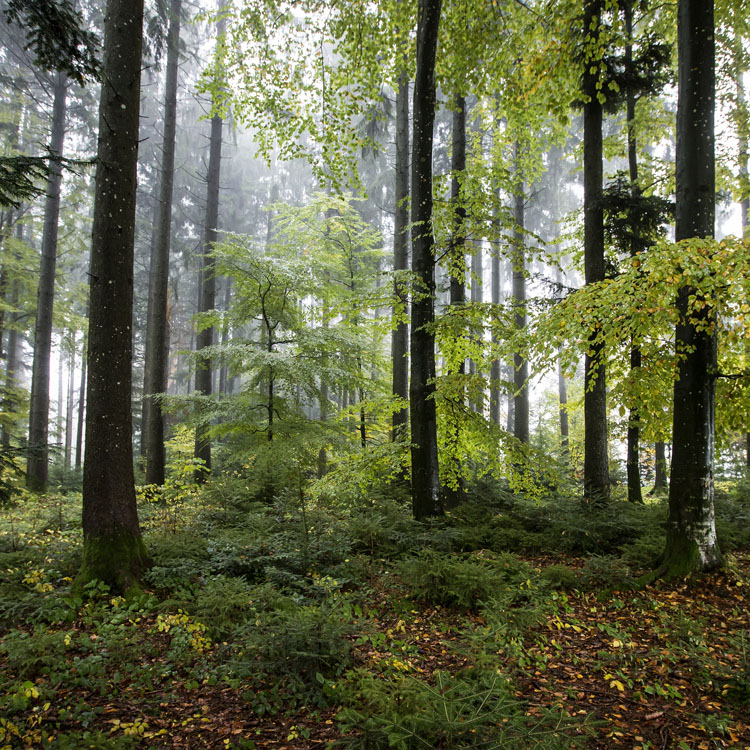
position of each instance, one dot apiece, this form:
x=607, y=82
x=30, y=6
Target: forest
x=375, y=374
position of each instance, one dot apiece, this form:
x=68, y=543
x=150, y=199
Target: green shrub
x=475, y=709
x=296, y=644
x=461, y=581
x=560, y=577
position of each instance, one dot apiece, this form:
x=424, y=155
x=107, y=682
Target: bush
x=461, y=581
x=474, y=709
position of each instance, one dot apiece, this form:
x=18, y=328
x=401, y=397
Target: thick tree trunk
x=691, y=534
x=37, y=468
x=596, y=487
x=205, y=338
x=520, y=364
x=425, y=477
x=660, y=467
x=157, y=353
x=113, y=550
x=400, y=338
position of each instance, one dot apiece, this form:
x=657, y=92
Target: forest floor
x=466, y=648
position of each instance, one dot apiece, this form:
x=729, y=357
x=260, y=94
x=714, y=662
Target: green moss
x=119, y=559
x=681, y=559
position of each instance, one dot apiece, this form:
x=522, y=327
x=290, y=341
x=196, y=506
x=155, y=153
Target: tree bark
x=205, y=338
x=633, y=462
x=596, y=487
x=81, y=407
x=660, y=468
x=37, y=468
x=691, y=543
x=426, y=495
x=400, y=338
x=520, y=364
x=157, y=352
x=69, y=406
x=113, y=550
x=457, y=273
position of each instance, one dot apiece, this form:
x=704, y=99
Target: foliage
x=474, y=709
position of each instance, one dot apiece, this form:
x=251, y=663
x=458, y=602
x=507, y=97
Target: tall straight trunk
x=595, y=462
x=633, y=462
x=60, y=422
x=400, y=337
x=477, y=273
x=81, y=406
x=495, y=286
x=457, y=273
x=69, y=407
x=37, y=468
x=157, y=352
x=113, y=550
x=12, y=360
x=425, y=474
x=205, y=338
x=520, y=364
x=691, y=543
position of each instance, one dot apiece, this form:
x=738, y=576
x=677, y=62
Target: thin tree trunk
x=205, y=337
x=633, y=462
x=81, y=406
x=457, y=272
x=520, y=364
x=691, y=543
x=223, y=372
x=157, y=352
x=400, y=337
x=37, y=469
x=113, y=550
x=69, y=407
x=596, y=487
x=426, y=494
x=495, y=372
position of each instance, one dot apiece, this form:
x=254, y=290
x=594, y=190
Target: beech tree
x=425, y=476
x=113, y=550
x=691, y=543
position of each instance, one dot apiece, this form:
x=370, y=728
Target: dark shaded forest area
x=374, y=375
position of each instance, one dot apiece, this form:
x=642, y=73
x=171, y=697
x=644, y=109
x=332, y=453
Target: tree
x=400, y=337
x=38, y=462
x=425, y=476
x=691, y=543
x=113, y=550
x=596, y=460
x=157, y=346
x=207, y=293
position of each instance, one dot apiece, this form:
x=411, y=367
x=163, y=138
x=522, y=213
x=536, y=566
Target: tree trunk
x=691, y=534
x=113, y=550
x=69, y=406
x=633, y=462
x=596, y=462
x=495, y=284
x=37, y=468
x=457, y=273
x=400, y=338
x=157, y=353
x=520, y=364
x=81, y=407
x=660, y=467
x=207, y=302
x=224, y=380
x=425, y=477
